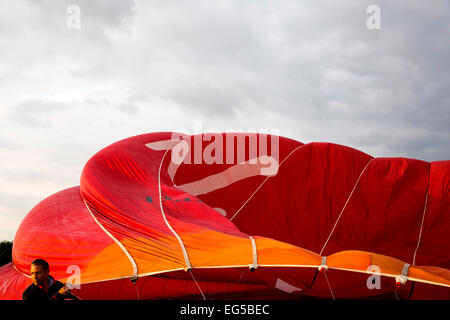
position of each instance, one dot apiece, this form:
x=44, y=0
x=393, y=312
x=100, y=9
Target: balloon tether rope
x=183, y=249
x=421, y=225
x=262, y=183
x=345, y=205
x=329, y=286
x=196, y=283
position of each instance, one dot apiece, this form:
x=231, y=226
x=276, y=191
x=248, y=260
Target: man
x=44, y=287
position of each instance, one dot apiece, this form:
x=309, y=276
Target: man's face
x=39, y=274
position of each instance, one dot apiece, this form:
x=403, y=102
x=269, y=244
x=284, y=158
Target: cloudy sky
x=311, y=69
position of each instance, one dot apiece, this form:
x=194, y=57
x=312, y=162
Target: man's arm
x=63, y=293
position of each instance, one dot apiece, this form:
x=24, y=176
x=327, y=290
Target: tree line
x=5, y=252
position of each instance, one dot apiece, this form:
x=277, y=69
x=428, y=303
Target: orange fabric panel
x=272, y=252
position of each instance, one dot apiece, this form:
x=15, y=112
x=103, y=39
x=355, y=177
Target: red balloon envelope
x=241, y=216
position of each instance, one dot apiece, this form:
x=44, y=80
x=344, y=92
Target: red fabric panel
x=60, y=230
x=121, y=182
x=301, y=203
x=12, y=283
x=214, y=283
x=385, y=212
x=434, y=246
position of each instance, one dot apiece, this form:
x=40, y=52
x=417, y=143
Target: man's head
x=39, y=271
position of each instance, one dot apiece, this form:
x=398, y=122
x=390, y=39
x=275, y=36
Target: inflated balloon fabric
x=242, y=216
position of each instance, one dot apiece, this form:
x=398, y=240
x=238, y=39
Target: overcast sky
x=311, y=69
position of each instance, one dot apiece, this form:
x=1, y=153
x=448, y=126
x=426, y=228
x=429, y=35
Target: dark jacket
x=35, y=293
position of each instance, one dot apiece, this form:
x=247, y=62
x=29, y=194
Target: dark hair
x=41, y=262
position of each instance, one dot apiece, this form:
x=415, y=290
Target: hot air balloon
x=242, y=216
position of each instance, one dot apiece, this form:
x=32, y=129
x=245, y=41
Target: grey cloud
x=18, y=201
x=205, y=98
x=130, y=109
x=7, y=144
x=25, y=175
x=35, y=112
x=104, y=13
x=312, y=69
x=129, y=105
x=316, y=62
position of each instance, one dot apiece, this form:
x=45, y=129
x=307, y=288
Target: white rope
x=229, y=286
x=156, y=273
x=421, y=227
x=329, y=286
x=130, y=258
x=245, y=203
x=137, y=290
x=323, y=264
x=395, y=292
x=186, y=258
x=345, y=205
x=26, y=275
x=401, y=279
x=193, y=278
x=254, y=264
